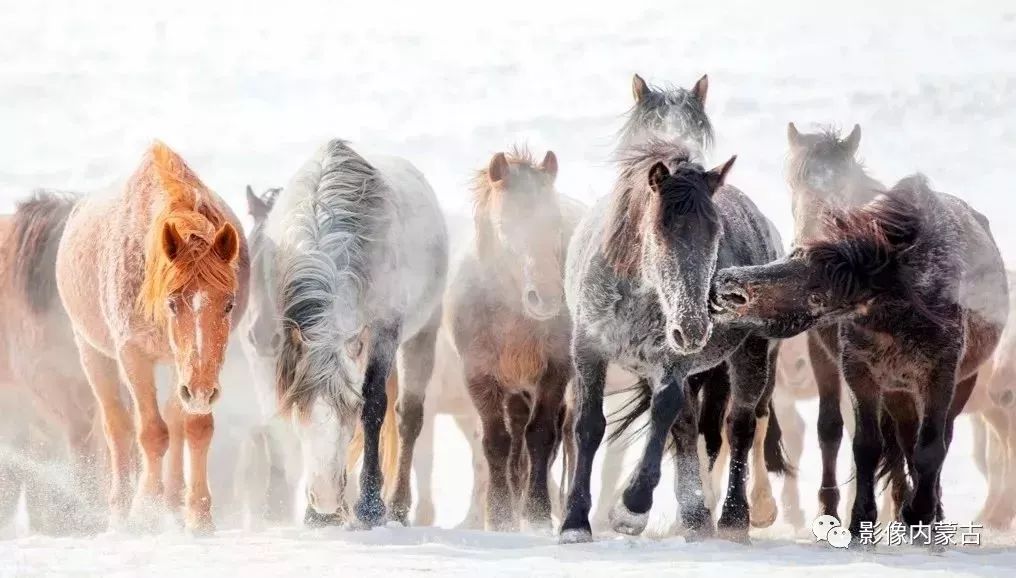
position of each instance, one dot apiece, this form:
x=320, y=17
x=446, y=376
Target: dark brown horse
x=823, y=173
x=915, y=282
x=510, y=326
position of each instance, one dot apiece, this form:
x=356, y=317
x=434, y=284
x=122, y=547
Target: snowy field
x=245, y=92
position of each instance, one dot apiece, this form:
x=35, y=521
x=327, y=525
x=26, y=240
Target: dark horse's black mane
x=864, y=251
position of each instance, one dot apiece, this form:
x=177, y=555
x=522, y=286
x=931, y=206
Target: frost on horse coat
x=155, y=271
x=360, y=257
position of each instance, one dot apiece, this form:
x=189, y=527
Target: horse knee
x=409, y=410
x=199, y=429
x=154, y=437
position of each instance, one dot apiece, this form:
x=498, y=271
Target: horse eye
x=229, y=306
x=354, y=347
x=171, y=304
x=815, y=300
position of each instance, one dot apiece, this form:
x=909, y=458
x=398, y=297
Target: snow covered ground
x=246, y=91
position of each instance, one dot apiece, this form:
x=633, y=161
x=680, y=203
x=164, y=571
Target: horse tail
x=773, y=451
x=389, y=441
x=635, y=407
x=38, y=225
x=567, y=428
x=890, y=465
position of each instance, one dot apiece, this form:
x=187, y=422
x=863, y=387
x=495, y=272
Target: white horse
x=358, y=254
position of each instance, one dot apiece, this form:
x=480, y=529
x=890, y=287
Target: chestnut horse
x=507, y=317
x=34, y=331
x=155, y=271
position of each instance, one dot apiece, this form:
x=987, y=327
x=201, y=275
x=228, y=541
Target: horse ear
x=639, y=88
x=657, y=175
x=498, y=169
x=854, y=139
x=793, y=137
x=255, y=206
x=227, y=243
x=701, y=89
x=549, y=165
x=718, y=176
x=172, y=242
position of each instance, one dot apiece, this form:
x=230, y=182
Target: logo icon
x=829, y=529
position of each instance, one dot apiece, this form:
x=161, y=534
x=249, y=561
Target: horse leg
x=541, y=437
x=415, y=366
x=153, y=435
x=198, y=430
x=251, y=477
x=370, y=508
x=823, y=344
x=932, y=442
x=590, y=424
x=488, y=397
x=689, y=473
x=793, y=440
x=471, y=428
x=103, y=377
x=631, y=514
x=762, y=504
x=751, y=385
x=518, y=409
x=715, y=387
x=174, y=453
x=867, y=443
x=423, y=465
x=994, y=514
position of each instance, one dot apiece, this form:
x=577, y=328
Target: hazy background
x=246, y=91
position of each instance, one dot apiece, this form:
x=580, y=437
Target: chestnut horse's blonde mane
x=190, y=209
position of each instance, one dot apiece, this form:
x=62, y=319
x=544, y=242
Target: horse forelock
x=524, y=170
x=193, y=212
x=633, y=199
x=325, y=271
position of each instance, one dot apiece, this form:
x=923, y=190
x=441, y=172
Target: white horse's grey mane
x=333, y=209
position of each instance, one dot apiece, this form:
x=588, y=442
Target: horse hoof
x=312, y=519
x=624, y=521
x=541, y=526
x=370, y=515
x=575, y=536
x=201, y=529
x=763, y=512
x=424, y=514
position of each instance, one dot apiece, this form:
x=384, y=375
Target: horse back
x=749, y=237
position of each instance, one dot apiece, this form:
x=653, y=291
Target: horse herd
x=351, y=318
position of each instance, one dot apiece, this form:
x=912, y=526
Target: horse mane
x=691, y=114
x=38, y=225
x=632, y=197
x=523, y=167
x=189, y=208
x=862, y=250
x=341, y=207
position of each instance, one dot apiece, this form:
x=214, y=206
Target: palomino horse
x=637, y=283
x=154, y=272
x=359, y=257
x=823, y=173
x=507, y=317
x=35, y=331
x=916, y=284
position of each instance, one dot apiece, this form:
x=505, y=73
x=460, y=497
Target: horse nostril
x=276, y=341
x=312, y=498
x=185, y=393
x=215, y=395
x=678, y=337
x=1007, y=398
x=735, y=298
x=250, y=337
x=533, y=298
x=800, y=364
